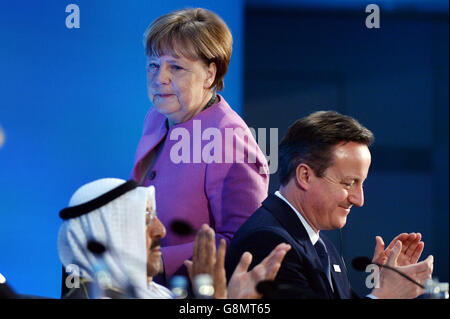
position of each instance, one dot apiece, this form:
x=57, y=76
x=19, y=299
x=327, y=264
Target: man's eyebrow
x=356, y=178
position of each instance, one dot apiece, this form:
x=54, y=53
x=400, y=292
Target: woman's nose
x=162, y=76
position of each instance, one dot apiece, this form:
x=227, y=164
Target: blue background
x=72, y=104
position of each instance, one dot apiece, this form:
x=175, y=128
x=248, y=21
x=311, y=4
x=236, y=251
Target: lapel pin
x=336, y=268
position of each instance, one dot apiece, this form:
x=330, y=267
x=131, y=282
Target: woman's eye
x=176, y=67
x=152, y=66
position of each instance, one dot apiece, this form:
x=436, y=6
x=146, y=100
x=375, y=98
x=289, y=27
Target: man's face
x=341, y=187
x=155, y=230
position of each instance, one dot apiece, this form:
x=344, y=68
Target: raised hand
x=412, y=248
x=204, y=254
x=242, y=284
x=394, y=286
x=206, y=260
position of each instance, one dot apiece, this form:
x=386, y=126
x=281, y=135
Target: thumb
x=394, y=253
x=430, y=261
x=379, y=246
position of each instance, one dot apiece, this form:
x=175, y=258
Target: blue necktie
x=324, y=259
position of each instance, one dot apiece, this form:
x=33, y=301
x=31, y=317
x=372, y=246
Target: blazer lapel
x=154, y=131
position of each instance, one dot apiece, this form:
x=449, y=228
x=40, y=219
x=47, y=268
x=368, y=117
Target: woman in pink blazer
x=198, y=153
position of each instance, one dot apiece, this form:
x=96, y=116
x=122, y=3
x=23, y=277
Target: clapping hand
x=243, y=284
x=412, y=248
x=392, y=285
x=206, y=260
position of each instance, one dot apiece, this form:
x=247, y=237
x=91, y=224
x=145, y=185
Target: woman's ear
x=211, y=75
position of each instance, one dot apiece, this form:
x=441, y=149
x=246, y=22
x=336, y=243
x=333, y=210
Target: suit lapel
x=154, y=131
x=287, y=218
x=290, y=221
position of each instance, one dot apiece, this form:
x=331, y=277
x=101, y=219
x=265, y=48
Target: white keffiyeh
x=120, y=226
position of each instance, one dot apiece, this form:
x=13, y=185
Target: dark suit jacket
x=301, y=272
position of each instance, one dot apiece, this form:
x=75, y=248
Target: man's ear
x=211, y=75
x=303, y=175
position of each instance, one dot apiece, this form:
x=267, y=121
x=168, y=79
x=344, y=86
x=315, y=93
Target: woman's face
x=179, y=87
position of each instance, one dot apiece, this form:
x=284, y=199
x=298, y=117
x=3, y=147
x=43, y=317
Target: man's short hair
x=311, y=140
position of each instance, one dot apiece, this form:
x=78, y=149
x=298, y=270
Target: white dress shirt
x=313, y=236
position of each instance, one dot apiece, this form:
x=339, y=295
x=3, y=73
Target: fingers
x=422, y=271
x=407, y=242
x=270, y=265
x=395, y=252
x=220, y=280
x=378, y=255
x=198, y=258
x=417, y=252
x=196, y=249
x=188, y=265
x=425, y=265
x=430, y=262
x=274, y=261
x=244, y=263
x=204, y=256
x=419, y=236
x=284, y=246
x=402, y=237
x=220, y=261
x=419, y=249
x=210, y=248
x=430, y=259
x=412, y=248
x=199, y=248
x=280, y=247
x=379, y=242
x=410, y=245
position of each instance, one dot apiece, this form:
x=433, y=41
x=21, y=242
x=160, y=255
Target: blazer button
x=152, y=175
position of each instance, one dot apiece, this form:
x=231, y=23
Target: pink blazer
x=220, y=194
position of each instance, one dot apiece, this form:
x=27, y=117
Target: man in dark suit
x=324, y=159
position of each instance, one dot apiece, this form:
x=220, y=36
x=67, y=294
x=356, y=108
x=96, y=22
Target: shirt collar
x=313, y=236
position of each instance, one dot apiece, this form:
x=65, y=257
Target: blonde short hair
x=195, y=34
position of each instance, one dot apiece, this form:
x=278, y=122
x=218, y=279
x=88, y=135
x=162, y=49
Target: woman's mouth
x=163, y=95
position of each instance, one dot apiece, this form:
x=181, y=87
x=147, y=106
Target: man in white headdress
x=111, y=232
x=120, y=216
